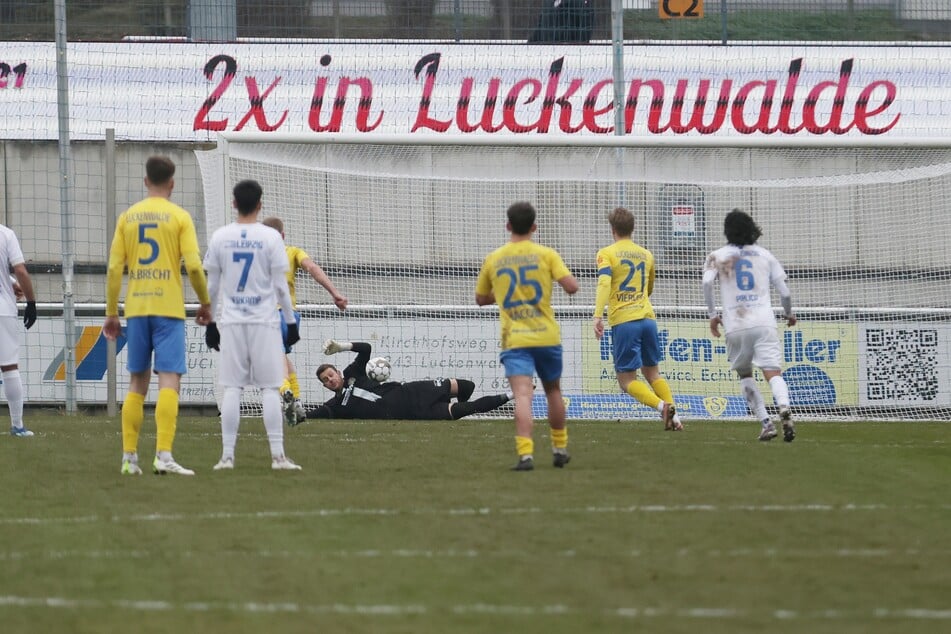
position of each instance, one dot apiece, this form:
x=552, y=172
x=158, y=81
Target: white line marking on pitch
x=199, y=606
x=481, y=511
x=409, y=553
x=154, y=605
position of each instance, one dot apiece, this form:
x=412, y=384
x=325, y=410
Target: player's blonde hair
x=622, y=221
x=274, y=223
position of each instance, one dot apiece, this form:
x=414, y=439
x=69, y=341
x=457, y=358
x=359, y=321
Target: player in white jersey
x=10, y=285
x=746, y=272
x=247, y=266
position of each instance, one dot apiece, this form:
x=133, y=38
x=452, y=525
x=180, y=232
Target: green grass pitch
x=420, y=527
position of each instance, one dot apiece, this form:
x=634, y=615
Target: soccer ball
x=378, y=369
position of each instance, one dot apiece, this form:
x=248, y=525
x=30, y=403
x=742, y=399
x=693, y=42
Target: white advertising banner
x=189, y=92
x=464, y=348
x=827, y=365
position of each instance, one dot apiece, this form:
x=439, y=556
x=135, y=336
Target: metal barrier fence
x=489, y=20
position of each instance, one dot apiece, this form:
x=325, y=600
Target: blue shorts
x=287, y=348
x=543, y=360
x=165, y=336
x=635, y=344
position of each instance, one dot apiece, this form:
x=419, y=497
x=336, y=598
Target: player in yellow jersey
x=625, y=284
x=298, y=260
x=152, y=239
x=518, y=276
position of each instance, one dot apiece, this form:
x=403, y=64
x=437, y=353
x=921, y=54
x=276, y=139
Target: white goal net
x=402, y=224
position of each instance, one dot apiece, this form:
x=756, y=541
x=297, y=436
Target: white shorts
x=754, y=347
x=10, y=331
x=251, y=354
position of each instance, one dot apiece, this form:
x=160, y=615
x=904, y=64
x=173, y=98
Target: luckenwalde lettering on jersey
x=190, y=92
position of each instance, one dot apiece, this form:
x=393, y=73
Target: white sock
x=753, y=398
x=273, y=420
x=660, y=407
x=780, y=391
x=219, y=396
x=13, y=389
x=230, y=420
x=130, y=457
x=509, y=394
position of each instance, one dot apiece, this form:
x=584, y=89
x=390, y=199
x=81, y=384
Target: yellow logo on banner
x=820, y=361
x=680, y=9
x=715, y=405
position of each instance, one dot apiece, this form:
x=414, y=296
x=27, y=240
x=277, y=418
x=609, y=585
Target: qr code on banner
x=902, y=364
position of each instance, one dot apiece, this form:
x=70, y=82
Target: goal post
x=401, y=224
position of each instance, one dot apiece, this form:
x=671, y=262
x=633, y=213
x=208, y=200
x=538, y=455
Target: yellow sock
x=524, y=446
x=133, y=412
x=642, y=392
x=662, y=389
x=294, y=385
x=285, y=386
x=559, y=438
x=166, y=418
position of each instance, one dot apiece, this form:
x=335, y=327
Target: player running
x=625, y=284
x=746, y=271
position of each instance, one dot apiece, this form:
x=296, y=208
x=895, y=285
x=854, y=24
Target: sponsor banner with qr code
x=826, y=364
x=904, y=364
x=820, y=364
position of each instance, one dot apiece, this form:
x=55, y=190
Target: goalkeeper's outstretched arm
x=358, y=365
x=361, y=348
x=332, y=346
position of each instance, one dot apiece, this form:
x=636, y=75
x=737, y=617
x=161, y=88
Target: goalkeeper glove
x=212, y=336
x=293, y=335
x=29, y=315
x=333, y=347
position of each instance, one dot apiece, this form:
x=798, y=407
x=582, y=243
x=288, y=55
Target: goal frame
x=897, y=315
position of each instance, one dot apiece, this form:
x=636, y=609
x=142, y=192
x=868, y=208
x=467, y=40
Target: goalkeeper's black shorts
x=421, y=400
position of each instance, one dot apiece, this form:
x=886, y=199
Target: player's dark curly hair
x=740, y=229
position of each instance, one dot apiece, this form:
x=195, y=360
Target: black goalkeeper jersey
x=361, y=397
